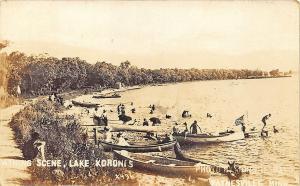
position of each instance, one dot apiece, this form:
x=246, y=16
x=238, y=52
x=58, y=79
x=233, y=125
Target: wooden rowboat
x=125, y=127
x=233, y=173
x=165, y=166
x=135, y=128
x=87, y=105
x=103, y=97
x=138, y=148
x=207, y=138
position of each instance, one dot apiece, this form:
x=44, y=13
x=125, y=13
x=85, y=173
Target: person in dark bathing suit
x=275, y=130
x=264, y=120
x=145, y=123
x=193, y=128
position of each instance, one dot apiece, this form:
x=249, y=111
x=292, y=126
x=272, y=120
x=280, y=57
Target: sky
x=158, y=34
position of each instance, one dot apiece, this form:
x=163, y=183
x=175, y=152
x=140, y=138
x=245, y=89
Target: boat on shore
x=87, y=105
x=138, y=148
x=233, y=172
x=107, y=96
x=209, y=138
x=165, y=166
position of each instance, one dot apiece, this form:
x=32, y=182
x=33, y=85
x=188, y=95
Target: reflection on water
x=275, y=157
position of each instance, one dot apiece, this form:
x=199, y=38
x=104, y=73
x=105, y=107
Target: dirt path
x=13, y=170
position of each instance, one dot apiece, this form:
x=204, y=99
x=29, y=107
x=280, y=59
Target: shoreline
x=77, y=94
x=72, y=94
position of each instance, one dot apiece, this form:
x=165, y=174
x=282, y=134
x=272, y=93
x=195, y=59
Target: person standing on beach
x=193, y=128
x=18, y=91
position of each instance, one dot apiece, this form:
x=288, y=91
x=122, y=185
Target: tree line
x=41, y=75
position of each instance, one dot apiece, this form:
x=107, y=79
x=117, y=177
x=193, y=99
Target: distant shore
x=68, y=95
x=264, y=77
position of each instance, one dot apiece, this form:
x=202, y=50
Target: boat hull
x=104, y=97
x=87, y=105
x=135, y=148
x=165, y=166
x=134, y=128
x=206, y=139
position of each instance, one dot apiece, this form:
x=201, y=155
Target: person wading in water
x=193, y=128
x=240, y=121
x=264, y=120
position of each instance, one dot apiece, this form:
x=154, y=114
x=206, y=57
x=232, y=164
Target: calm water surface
x=276, y=157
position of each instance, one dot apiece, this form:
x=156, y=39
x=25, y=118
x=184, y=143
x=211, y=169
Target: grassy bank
x=65, y=141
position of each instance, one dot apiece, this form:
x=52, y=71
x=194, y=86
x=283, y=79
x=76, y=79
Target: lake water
x=273, y=158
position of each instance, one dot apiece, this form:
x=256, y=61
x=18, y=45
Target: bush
x=65, y=140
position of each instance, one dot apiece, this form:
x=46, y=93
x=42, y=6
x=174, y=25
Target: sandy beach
x=85, y=118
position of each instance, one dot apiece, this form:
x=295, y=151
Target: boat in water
x=165, y=166
x=135, y=128
x=208, y=138
x=233, y=172
x=138, y=148
x=87, y=105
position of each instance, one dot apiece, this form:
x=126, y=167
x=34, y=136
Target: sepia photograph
x=142, y=93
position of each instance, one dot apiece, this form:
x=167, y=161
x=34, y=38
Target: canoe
x=87, y=105
x=103, y=97
x=231, y=174
x=135, y=128
x=164, y=166
x=207, y=138
x=138, y=148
